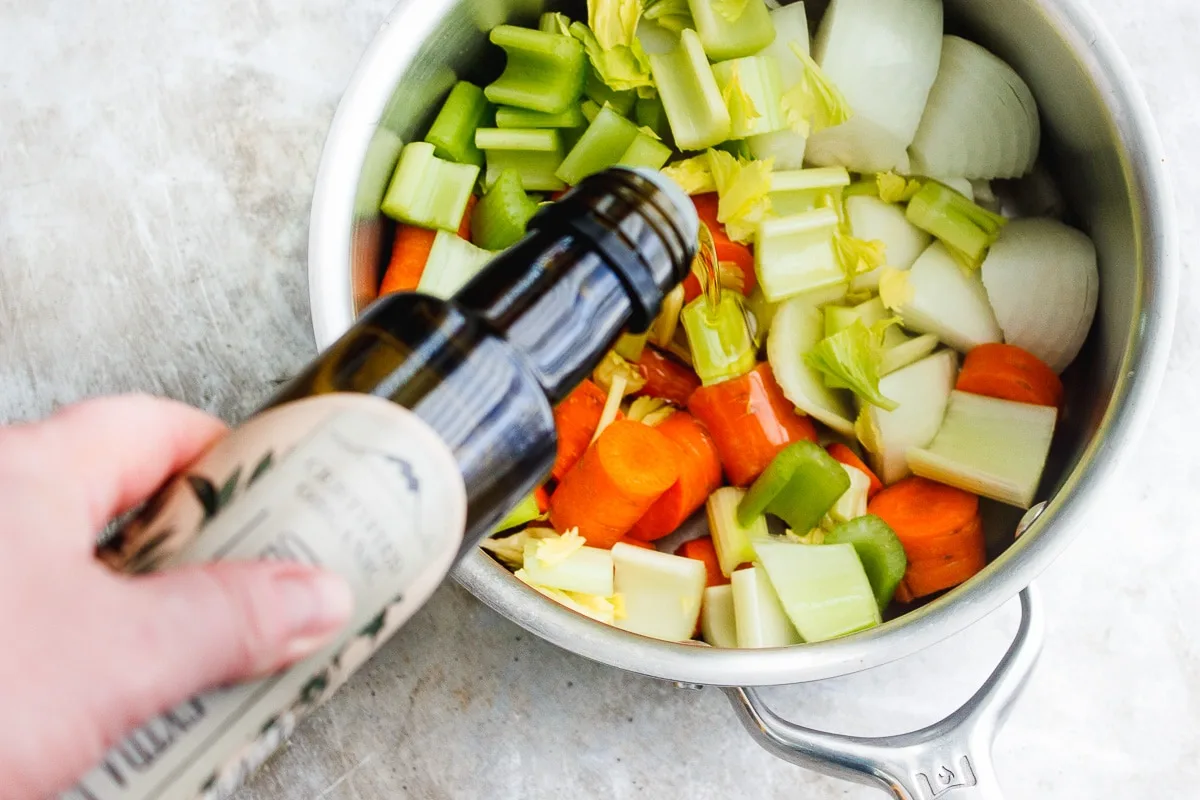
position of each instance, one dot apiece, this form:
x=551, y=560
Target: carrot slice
x=666, y=378
x=576, y=419
x=699, y=476
x=704, y=551
x=750, y=422
x=941, y=530
x=616, y=482
x=464, y=227
x=918, y=508
x=1007, y=372
x=845, y=455
x=410, y=252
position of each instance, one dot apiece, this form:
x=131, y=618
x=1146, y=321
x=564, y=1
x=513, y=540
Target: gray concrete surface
x=156, y=161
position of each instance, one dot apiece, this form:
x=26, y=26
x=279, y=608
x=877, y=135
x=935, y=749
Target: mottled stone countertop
x=156, y=165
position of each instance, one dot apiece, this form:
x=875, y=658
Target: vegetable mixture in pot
x=866, y=346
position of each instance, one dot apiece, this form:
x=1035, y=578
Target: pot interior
x=1098, y=148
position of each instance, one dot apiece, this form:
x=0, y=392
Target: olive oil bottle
x=392, y=455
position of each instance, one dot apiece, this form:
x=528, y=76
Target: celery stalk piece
x=553, y=22
x=880, y=551
x=725, y=38
x=733, y=542
x=823, y=588
x=545, y=71
x=520, y=139
x=662, y=593
x=590, y=111
x=601, y=146
x=800, y=190
x=791, y=27
x=921, y=391
x=899, y=355
x=453, y=130
x=588, y=570
x=752, y=88
x=525, y=512
x=631, y=345
x=537, y=156
x=794, y=255
x=759, y=618
x=799, y=486
x=650, y=114
x=523, y=118
x=452, y=263
x=602, y=95
x=995, y=448
x=427, y=191
x=690, y=95
x=966, y=229
x=645, y=151
x=719, y=338
x=718, y=625
x=500, y=218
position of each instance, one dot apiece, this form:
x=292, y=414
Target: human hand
x=86, y=654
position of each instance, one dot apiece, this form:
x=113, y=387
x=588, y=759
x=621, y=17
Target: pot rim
x=1143, y=365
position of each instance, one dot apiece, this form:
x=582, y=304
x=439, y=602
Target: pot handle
x=951, y=758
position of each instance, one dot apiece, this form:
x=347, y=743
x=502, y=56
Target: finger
x=110, y=453
x=197, y=628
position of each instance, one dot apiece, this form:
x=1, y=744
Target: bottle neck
x=594, y=264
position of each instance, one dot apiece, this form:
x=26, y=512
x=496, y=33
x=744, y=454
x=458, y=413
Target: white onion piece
x=797, y=328
x=981, y=120
x=883, y=56
x=1042, y=280
x=871, y=219
x=949, y=302
x=961, y=185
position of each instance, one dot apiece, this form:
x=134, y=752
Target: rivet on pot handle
x=950, y=759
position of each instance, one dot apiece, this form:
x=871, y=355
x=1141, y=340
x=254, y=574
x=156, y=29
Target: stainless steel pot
x=1104, y=150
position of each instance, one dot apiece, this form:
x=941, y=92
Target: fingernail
x=317, y=605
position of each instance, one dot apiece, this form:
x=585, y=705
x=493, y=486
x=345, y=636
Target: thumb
x=202, y=627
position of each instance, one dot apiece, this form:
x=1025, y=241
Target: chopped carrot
x=750, y=422
x=941, y=530
x=1007, y=372
x=616, y=482
x=736, y=260
x=928, y=576
x=556, y=196
x=666, y=378
x=542, y=498
x=846, y=456
x=703, y=550
x=576, y=419
x=903, y=594
x=918, y=508
x=464, y=227
x=410, y=252
x=632, y=542
x=699, y=476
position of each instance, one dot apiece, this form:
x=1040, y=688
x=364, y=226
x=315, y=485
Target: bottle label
x=351, y=483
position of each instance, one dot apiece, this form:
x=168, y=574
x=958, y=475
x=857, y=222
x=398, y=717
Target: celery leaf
x=744, y=188
x=814, y=103
x=610, y=39
x=674, y=15
x=693, y=175
x=850, y=359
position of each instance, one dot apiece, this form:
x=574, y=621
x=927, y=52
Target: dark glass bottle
x=334, y=473
x=484, y=368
